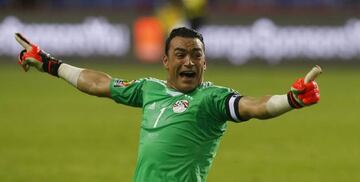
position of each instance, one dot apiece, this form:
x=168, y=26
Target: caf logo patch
x=122, y=83
x=180, y=106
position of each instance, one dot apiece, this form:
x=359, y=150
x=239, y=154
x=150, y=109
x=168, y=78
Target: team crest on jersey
x=180, y=106
x=122, y=83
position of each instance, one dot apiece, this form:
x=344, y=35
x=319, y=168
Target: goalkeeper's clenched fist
x=32, y=55
x=40, y=60
x=303, y=94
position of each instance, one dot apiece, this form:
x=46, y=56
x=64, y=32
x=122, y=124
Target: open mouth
x=189, y=74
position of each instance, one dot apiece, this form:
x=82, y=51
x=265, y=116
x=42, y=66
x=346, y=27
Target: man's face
x=185, y=63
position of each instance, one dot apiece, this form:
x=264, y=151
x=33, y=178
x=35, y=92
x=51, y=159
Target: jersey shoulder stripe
x=151, y=79
x=210, y=85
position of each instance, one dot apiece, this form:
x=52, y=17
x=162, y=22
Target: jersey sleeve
x=127, y=92
x=225, y=105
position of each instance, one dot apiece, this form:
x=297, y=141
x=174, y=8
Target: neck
x=172, y=86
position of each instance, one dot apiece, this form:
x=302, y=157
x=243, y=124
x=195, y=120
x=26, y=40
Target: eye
x=197, y=55
x=180, y=55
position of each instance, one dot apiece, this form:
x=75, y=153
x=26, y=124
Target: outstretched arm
x=88, y=81
x=304, y=92
x=251, y=107
x=94, y=83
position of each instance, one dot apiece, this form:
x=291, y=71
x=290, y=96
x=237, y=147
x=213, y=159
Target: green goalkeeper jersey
x=180, y=133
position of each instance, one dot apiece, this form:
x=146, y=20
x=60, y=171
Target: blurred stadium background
x=51, y=132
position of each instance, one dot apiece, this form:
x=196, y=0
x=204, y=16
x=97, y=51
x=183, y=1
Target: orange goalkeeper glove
x=32, y=55
x=303, y=94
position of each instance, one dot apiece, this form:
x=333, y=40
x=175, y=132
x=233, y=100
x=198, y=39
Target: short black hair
x=183, y=32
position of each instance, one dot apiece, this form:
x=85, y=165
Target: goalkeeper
x=184, y=117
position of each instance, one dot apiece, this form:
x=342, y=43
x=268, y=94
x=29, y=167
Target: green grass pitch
x=51, y=132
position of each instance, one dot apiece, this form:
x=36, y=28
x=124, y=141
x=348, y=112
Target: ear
x=166, y=62
x=204, y=65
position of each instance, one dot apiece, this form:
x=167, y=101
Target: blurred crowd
x=144, y=24
x=150, y=4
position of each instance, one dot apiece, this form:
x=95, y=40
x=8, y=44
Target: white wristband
x=278, y=104
x=69, y=73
